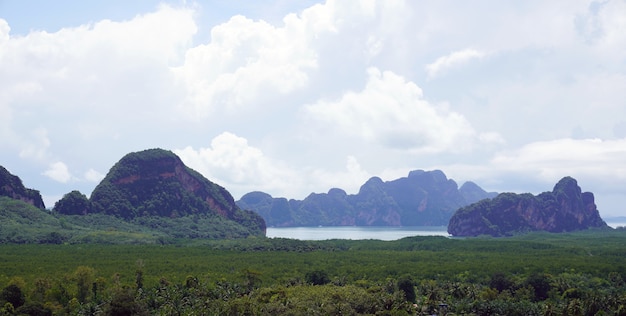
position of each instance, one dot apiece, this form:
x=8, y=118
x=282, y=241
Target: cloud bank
x=313, y=95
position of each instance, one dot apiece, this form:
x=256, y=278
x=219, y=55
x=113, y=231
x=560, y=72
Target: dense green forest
x=23, y=223
x=535, y=274
x=97, y=264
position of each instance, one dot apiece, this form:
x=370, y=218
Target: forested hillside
x=147, y=197
x=152, y=186
x=22, y=223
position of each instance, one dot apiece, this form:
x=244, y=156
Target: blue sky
x=298, y=97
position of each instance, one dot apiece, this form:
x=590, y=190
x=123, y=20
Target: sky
x=294, y=97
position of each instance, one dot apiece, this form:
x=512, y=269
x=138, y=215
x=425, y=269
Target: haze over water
x=354, y=232
x=360, y=233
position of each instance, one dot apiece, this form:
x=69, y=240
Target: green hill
x=147, y=197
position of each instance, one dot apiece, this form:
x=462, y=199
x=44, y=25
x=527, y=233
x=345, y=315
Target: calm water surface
x=358, y=233
x=355, y=233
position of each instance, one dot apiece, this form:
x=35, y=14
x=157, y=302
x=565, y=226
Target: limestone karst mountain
x=11, y=186
x=422, y=198
x=155, y=182
x=565, y=208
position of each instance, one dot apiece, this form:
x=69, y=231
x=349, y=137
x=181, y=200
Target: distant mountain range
x=153, y=197
x=423, y=198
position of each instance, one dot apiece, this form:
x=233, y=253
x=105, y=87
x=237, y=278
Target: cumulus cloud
x=4, y=31
x=349, y=179
x=552, y=159
x=244, y=61
x=59, y=172
x=251, y=61
x=392, y=111
x=454, y=59
x=325, y=96
x=107, y=76
x=36, y=146
x=92, y=175
x=231, y=162
x=103, y=69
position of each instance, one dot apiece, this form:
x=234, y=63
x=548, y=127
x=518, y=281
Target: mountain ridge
x=150, y=185
x=11, y=186
x=423, y=198
x=565, y=208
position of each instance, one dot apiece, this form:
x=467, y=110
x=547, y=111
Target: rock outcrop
x=564, y=209
x=11, y=186
x=155, y=182
x=423, y=198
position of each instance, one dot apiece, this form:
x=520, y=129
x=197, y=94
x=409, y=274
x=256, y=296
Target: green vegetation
x=578, y=273
x=73, y=203
x=22, y=223
x=144, y=184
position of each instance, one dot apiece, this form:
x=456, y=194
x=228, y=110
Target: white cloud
x=349, y=179
x=552, y=159
x=509, y=82
x=393, y=112
x=232, y=163
x=93, y=176
x=491, y=138
x=454, y=59
x=96, y=71
x=35, y=147
x=59, y=172
x=248, y=62
x=535, y=167
x=4, y=31
x=602, y=27
x=244, y=62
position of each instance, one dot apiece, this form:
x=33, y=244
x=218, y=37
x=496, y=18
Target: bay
x=616, y=224
x=355, y=232
x=365, y=232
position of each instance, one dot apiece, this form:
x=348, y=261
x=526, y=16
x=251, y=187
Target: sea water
x=355, y=232
x=364, y=232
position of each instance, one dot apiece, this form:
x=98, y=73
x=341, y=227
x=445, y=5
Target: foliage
x=317, y=277
x=156, y=183
x=142, y=184
x=13, y=295
x=22, y=223
x=73, y=203
x=407, y=286
x=536, y=274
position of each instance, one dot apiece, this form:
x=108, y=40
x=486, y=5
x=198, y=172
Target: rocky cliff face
x=422, y=198
x=564, y=209
x=11, y=186
x=155, y=182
